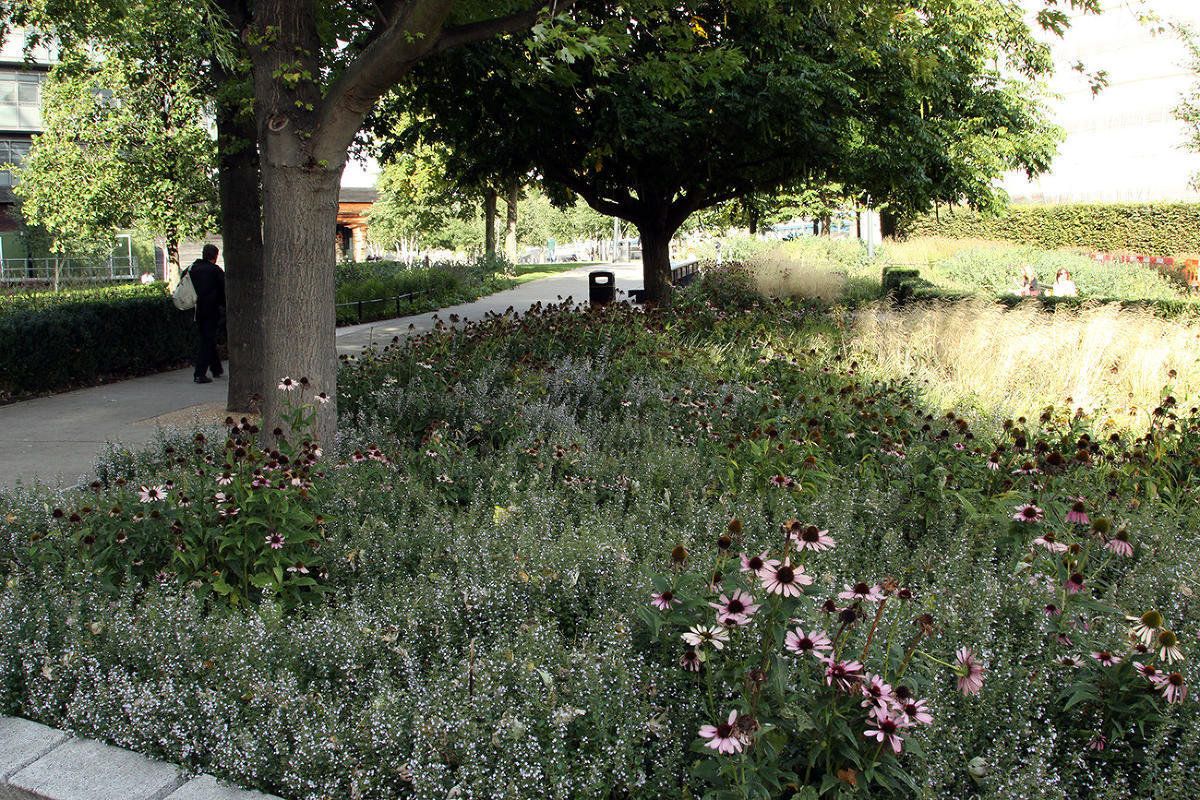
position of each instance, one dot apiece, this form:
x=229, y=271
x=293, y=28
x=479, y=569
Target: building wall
x=1124, y=143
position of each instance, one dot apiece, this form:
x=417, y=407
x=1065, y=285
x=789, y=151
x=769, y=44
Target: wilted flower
x=970, y=672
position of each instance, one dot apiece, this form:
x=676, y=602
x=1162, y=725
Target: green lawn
x=533, y=272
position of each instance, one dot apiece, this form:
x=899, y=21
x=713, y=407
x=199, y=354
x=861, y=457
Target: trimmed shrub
x=79, y=343
x=1152, y=229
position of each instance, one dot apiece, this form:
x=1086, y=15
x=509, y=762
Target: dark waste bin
x=602, y=287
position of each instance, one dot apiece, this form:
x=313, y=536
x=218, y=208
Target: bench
x=682, y=274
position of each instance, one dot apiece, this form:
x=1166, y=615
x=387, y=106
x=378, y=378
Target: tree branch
x=485, y=29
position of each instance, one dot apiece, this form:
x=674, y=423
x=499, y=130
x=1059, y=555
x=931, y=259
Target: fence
x=394, y=298
x=56, y=271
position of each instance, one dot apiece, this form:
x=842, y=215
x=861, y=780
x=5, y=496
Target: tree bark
x=171, y=247
x=241, y=232
x=510, y=222
x=489, y=222
x=889, y=224
x=656, y=263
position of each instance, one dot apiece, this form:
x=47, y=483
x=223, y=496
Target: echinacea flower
x=1106, y=658
x=785, y=579
x=1078, y=513
x=876, y=693
x=702, y=635
x=275, y=540
x=799, y=642
x=886, y=730
x=1070, y=661
x=1048, y=541
x=1074, y=584
x=724, y=737
x=735, y=610
x=862, y=591
x=914, y=712
x=1146, y=626
x=1147, y=671
x=287, y=384
x=810, y=538
x=664, y=600
x=970, y=671
x=1120, y=544
x=1172, y=686
x=993, y=462
x=1168, y=647
x=691, y=659
x=1028, y=513
x=322, y=398
x=151, y=494
x=757, y=564
x=842, y=674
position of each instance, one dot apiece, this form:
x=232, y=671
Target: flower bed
x=515, y=552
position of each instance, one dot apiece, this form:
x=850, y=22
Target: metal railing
x=56, y=271
x=395, y=298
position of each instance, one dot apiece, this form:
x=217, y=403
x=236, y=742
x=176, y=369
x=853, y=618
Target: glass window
x=8, y=87
x=29, y=89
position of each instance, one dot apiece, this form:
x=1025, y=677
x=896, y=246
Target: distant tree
x=1188, y=111
x=126, y=128
x=911, y=103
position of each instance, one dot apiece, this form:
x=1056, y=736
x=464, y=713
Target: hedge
x=77, y=344
x=1150, y=229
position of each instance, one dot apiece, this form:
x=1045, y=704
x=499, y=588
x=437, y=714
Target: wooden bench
x=681, y=275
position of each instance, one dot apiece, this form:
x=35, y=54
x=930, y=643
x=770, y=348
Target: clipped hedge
x=41, y=299
x=77, y=344
x=1151, y=229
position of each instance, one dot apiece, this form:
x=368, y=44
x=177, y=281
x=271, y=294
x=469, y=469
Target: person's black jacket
x=209, y=282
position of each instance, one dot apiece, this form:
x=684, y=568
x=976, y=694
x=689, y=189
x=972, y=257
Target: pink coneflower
x=970, y=672
x=1052, y=610
x=842, y=674
x=275, y=540
x=799, y=642
x=1168, y=647
x=735, y=610
x=322, y=398
x=287, y=384
x=1028, y=513
x=1070, y=661
x=1146, y=626
x=723, y=737
x=914, y=712
x=757, y=564
x=225, y=478
x=706, y=635
x=810, y=538
x=1077, y=512
x=785, y=579
x=1050, y=542
x=862, y=591
x=1148, y=671
x=152, y=494
x=959, y=446
x=664, y=600
x=1106, y=658
x=877, y=694
x=781, y=481
x=1098, y=743
x=1172, y=686
x=993, y=462
x=1074, y=584
x=691, y=659
x=1120, y=544
x=886, y=730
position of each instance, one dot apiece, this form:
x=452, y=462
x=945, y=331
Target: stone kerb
x=40, y=763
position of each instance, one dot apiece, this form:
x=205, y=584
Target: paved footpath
x=55, y=440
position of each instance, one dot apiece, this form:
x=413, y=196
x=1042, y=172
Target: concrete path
x=55, y=440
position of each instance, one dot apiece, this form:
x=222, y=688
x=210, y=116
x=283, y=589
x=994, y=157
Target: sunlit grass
x=532, y=272
x=1112, y=362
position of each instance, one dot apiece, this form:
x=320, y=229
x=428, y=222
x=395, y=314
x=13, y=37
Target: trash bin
x=602, y=287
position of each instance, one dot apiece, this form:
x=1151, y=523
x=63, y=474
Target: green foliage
x=61, y=345
x=1151, y=229
x=436, y=286
x=39, y=300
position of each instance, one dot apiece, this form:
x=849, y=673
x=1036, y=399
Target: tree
x=1188, y=111
x=908, y=102
x=125, y=128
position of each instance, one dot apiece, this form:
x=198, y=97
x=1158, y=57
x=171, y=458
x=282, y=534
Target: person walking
x=209, y=281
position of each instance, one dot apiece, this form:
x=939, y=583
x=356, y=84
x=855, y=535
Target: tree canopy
x=910, y=103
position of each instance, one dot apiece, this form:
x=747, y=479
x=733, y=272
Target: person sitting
x=1063, y=285
x=1027, y=283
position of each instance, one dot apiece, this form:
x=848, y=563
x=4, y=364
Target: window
x=20, y=100
x=12, y=151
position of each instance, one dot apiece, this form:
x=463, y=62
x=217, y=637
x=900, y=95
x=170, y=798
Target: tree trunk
x=489, y=223
x=241, y=232
x=889, y=224
x=171, y=247
x=299, y=217
x=656, y=263
x=510, y=222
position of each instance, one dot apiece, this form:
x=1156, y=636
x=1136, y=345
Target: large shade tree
x=906, y=102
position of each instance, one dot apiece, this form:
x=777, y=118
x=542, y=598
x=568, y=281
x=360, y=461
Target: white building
x=1123, y=144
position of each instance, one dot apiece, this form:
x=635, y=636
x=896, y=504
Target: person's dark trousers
x=207, y=357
